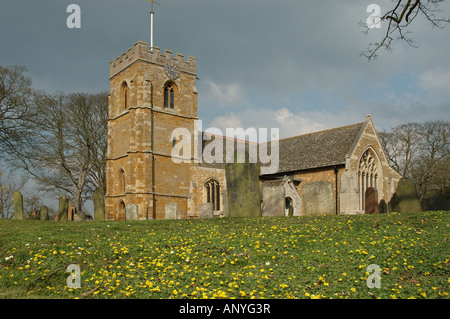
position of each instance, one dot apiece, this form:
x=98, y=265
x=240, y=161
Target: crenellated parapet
x=140, y=51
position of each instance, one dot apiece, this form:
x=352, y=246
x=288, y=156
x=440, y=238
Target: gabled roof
x=309, y=151
x=320, y=149
x=273, y=182
x=276, y=182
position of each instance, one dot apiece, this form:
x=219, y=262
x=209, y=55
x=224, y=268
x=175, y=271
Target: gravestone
x=273, y=198
x=243, y=190
x=63, y=208
x=206, y=210
x=79, y=217
x=437, y=201
x=383, y=207
x=318, y=198
x=171, y=210
x=405, y=198
x=18, y=205
x=44, y=213
x=132, y=212
x=371, y=201
x=70, y=211
x=99, y=205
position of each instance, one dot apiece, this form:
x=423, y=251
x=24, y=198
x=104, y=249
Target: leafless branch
x=399, y=19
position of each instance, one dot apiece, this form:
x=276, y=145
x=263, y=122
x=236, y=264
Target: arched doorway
x=121, y=212
x=289, y=207
x=371, y=201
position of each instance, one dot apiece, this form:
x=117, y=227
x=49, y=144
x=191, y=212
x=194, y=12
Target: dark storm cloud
x=293, y=57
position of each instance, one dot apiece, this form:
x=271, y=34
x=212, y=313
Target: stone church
x=338, y=171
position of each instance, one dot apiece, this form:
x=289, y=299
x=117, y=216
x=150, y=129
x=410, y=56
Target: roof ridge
x=227, y=137
x=323, y=131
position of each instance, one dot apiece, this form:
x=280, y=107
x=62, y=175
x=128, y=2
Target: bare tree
x=421, y=152
x=401, y=146
x=430, y=170
x=60, y=147
x=398, y=20
x=15, y=96
x=97, y=126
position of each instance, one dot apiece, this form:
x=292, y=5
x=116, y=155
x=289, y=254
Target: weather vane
x=153, y=1
x=152, y=13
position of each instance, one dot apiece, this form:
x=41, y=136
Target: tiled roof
x=309, y=151
x=320, y=149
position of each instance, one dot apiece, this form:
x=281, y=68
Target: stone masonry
x=325, y=172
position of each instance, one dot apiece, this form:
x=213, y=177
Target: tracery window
x=169, y=95
x=212, y=193
x=367, y=175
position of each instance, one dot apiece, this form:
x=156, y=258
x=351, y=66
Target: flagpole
x=152, y=14
x=151, y=31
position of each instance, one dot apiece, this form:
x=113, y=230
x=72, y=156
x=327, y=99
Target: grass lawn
x=292, y=257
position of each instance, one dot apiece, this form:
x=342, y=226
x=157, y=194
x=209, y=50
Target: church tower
x=152, y=94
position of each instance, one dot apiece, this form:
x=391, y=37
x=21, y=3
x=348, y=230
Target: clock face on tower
x=172, y=71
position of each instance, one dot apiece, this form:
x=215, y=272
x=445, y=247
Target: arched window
x=169, y=95
x=212, y=193
x=124, y=96
x=367, y=175
x=122, y=181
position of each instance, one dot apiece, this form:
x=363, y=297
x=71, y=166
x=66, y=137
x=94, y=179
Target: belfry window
x=169, y=96
x=124, y=96
x=212, y=190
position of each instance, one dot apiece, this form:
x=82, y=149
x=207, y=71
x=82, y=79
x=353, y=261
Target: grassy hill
x=305, y=257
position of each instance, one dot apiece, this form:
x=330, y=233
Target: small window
x=169, y=96
x=212, y=189
x=122, y=181
x=124, y=96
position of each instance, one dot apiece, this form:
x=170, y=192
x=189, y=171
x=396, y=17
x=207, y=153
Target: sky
x=287, y=64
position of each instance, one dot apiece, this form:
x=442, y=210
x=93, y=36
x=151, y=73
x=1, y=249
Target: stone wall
x=388, y=178
x=130, y=133
x=199, y=176
x=130, y=149
x=349, y=197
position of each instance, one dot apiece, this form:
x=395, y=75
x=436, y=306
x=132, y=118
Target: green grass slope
x=293, y=257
